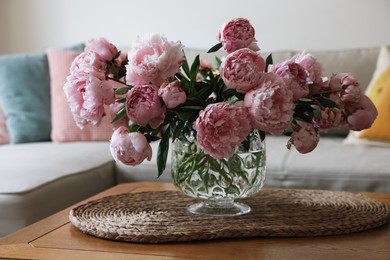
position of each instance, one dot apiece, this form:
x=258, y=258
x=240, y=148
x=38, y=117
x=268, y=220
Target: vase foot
x=221, y=207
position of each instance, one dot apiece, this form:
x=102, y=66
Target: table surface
x=56, y=238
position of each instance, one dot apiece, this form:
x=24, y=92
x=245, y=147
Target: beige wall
x=33, y=25
x=3, y=7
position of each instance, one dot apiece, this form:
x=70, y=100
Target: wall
x=2, y=25
x=33, y=25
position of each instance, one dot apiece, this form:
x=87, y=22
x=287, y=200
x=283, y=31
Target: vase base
x=233, y=209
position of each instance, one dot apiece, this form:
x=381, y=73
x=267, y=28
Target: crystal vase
x=219, y=182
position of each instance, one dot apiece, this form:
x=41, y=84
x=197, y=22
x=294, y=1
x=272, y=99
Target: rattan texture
x=161, y=216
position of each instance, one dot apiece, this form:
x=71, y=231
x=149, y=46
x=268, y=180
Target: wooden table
x=56, y=238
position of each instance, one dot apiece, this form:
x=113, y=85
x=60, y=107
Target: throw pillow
x=24, y=95
x=4, y=137
x=380, y=95
x=379, y=92
x=64, y=128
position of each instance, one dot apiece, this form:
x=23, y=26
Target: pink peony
x=221, y=127
x=144, y=106
x=337, y=81
x=242, y=69
x=320, y=88
x=305, y=139
x=153, y=59
x=294, y=75
x=237, y=34
x=172, y=94
x=103, y=48
x=270, y=105
x=352, y=92
x=347, y=86
x=86, y=89
x=129, y=148
x=363, y=116
x=205, y=65
x=330, y=117
x=311, y=65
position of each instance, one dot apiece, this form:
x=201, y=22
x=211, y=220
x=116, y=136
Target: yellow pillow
x=380, y=95
x=379, y=92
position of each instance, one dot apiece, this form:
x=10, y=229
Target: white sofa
x=39, y=179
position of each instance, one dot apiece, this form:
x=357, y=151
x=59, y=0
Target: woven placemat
x=161, y=216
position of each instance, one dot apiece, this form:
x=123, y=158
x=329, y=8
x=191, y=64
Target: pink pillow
x=4, y=137
x=64, y=129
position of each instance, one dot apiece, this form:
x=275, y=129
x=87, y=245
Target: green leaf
x=205, y=90
x=185, y=85
x=206, y=180
x=121, y=113
x=113, y=70
x=218, y=62
x=122, y=90
x=134, y=128
x=162, y=152
x=194, y=71
x=317, y=113
x=195, y=66
x=117, y=55
x=233, y=99
x=233, y=190
x=262, y=135
x=268, y=61
x=186, y=68
x=120, y=100
x=306, y=100
x=303, y=117
x=215, y=48
x=177, y=130
x=181, y=77
x=246, y=143
x=152, y=138
x=326, y=102
x=184, y=115
x=190, y=108
x=303, y=107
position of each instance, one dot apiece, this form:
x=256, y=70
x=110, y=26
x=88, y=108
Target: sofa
x=44, y=175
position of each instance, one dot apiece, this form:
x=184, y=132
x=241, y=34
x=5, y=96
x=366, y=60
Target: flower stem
x=116, y=80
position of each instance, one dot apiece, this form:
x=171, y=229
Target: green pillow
x=25, y=95
x=77, y=47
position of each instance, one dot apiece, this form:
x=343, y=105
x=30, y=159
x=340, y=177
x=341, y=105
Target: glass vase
x=219, y=182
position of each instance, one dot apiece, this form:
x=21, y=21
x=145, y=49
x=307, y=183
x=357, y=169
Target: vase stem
x=219, y=207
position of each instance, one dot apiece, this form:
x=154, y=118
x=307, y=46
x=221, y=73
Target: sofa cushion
x=43, y=177
x=335, y=166
x=64, y=128
x=28, y=166
x=25, y=96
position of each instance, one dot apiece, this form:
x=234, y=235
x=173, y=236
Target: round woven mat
x=158, y=217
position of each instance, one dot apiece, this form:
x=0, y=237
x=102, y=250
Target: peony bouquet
x=153, y=93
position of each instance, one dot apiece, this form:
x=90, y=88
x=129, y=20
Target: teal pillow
x=25, y=96
x=77, y=47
